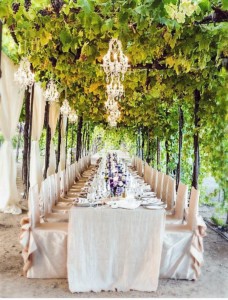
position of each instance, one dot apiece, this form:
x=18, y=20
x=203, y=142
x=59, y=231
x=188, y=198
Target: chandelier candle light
x=24, y=76
x=51, y=94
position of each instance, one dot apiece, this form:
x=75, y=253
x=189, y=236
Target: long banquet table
x=114, y=249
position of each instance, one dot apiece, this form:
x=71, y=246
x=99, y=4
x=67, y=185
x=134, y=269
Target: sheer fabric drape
x=53, y=118
x=11, y=100
x=37, y=126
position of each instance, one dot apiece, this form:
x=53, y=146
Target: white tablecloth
x=114, y=249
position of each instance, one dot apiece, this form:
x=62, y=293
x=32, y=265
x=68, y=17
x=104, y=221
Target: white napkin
x=128, y=204
x=82, y=200
x=146, y=194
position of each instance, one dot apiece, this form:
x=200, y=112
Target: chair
x=47, y=243
x=150, y=174
x=146, y=171
x=48, y=200
x=154, y=180
x=57, y=185
x=62, y=183
x=159, y=185
x=171, y=193
x=133, y=164
x=180, y=205
x=165, y=187
x=139, y=167
x=182, y=253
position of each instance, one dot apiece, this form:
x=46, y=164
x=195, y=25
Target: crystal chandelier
x=115, y=62
x=115, y=89
x=65, y=108
x=24, y=76
x=73, y=116
x=114, y=113
x=51, y=94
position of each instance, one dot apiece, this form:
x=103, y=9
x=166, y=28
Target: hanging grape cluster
x=53, y=61
x=57, y=5
x=15, y=7
x=27, y=4
x=44, y=12
x=37, y=27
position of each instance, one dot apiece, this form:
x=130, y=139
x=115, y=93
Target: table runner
x=114, y=249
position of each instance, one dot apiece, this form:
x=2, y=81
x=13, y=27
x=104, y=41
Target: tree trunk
x=67, y=125
x=59, y=143
x=158, y=154
x=143, y=144
x=88, y=139
x=72, y=143
x=48, y=138
x=136, y=139
x=196, y=164
x=180, y=142
x=26, y=140
x=30, y=132
x=148, y=158
x=0, y=47
x=152, y=151
x=83, y=139
x=19, y=142
x=167, y=156
x=139, y=143
x=79, y=138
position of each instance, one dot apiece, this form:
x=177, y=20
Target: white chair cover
x=165, y=187
x=146, y=171
x=154, y=180
x=133, y=162
x=159, y=185
x=171, y=193
x=57, y=185
x=34, y=211
x=77, y=172
x=45, y=245
x=45, y=197
x=181, y=202
x=182, y=254
x=149, y=176
x=140, y=169
x=62, y=183
x=193, y=209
